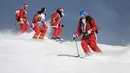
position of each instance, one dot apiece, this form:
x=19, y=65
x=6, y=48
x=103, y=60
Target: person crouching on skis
x=39, y=24
x=87, y=28
x=56, y=23
x=21, y=18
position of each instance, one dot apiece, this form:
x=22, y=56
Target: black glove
x=62, y=26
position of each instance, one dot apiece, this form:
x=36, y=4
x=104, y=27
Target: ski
x=74, y=56
x=60, y=41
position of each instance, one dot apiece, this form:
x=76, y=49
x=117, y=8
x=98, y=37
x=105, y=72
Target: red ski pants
x=57, y=32
x=39, y=32
x=91, y=42
x=23, y=28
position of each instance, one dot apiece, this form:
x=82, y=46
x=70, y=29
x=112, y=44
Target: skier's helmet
x=83, y=13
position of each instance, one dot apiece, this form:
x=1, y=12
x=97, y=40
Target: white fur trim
x=17, y=11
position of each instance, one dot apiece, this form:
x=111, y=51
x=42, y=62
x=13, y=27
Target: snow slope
x=21, y=54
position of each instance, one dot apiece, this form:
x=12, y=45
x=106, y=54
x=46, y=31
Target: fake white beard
x=84, y=21
x=62, y=14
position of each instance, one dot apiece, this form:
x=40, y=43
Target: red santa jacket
x=55, y=20
x=38, y=19
x=84, y=28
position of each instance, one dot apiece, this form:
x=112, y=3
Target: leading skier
x=87, y=28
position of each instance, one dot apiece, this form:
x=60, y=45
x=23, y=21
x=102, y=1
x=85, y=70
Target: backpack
x=17, y=14
x=36, y=18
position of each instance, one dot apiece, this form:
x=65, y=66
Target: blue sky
x=112, y=16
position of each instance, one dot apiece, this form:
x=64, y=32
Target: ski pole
x=77, y=48
x=15, y=24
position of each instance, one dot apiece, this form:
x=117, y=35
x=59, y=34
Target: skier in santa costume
x=21, y=18
x=56, y=23
x=87, y=28
x=39, y=24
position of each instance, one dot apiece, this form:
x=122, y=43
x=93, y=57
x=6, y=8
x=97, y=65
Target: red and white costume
x=56, y=24
x=90, y=39
x=21, y=17
x=39, y=26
